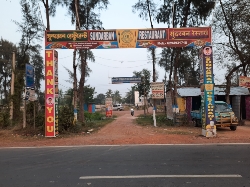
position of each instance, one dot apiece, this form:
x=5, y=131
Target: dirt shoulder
x=123, y=131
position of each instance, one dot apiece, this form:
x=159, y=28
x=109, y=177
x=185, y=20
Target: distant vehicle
x=118, y=107
x=224, y=116
x=132, y=111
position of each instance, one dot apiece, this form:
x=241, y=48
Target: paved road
x=118, y=166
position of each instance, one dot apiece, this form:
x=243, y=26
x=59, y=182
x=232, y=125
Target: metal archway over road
x=127, y=38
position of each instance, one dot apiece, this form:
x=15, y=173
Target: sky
x=108, y=63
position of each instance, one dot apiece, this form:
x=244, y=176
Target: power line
x=121, y=67
x=120, y=60
x=116, y=66
x=109, y=59
x=64, y=86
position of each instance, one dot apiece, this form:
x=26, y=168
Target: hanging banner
x=128, y=38
x=29, y=94
x=29, y=75
x=119, y=80
x=157, y=90
x=244, y=81
x=49, y=94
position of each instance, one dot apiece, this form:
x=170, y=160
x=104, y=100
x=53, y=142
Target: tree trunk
x=46, y=6
x=170, y=75
x=5, y=89
x=75, y=80
x=81, y=85
x=227, y=91
x=154, y=74
x=176, y=64
x=149, y=13
x=244, y=70
x=153, y=50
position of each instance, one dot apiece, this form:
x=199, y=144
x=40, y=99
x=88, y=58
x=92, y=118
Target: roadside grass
x=166, y=126
x=147, y=120
x=91, y=126
x=93, y=122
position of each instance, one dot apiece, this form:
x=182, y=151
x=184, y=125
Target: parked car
x=224, y=116
x=118, y=107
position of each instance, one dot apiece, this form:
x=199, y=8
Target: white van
x=118, y=107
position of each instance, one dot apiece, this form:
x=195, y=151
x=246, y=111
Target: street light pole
x=12, y=84
x=144, y=92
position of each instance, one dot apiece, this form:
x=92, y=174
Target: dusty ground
x=124, y=131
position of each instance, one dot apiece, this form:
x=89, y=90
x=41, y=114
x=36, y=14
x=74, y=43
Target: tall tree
x=144, y=86
x=147, y=9
x=28, y=51
x=232, y=31
x=84, y=12
x=100, y=99
x=117, y=97
x=83, y=15
x=188, y=13
x=130, y=96
x=6, y=50
x=89, y=94
x=109, y=93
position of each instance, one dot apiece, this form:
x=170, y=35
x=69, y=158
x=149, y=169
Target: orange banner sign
x=244, y=82
x=128, y=38
x=49, y=94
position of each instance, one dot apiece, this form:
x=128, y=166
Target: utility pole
x=144, y=92
x=24, y=113
x=12, y=84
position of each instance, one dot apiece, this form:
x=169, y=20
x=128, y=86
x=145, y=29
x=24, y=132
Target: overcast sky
x=108, y=63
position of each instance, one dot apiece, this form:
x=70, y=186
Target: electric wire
x=109, y=59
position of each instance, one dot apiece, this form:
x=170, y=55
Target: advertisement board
x=29, y=75
x=208, y=116
x=244, y=81
x=49, y=94
x=157, y=90
x=109, y=107
x=128, y=38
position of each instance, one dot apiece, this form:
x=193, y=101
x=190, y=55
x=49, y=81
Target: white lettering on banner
x=177, y=43
x=152, y=35
x=102, y=36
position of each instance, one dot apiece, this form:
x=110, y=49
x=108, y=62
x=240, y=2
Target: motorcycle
x=132, y=111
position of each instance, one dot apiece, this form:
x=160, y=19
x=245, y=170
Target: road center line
x=160, y=176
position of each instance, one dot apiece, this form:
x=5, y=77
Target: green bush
x=66, y=117
x=40, y=120
x=76, y=128
x=93, y=116
x=4, y=118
